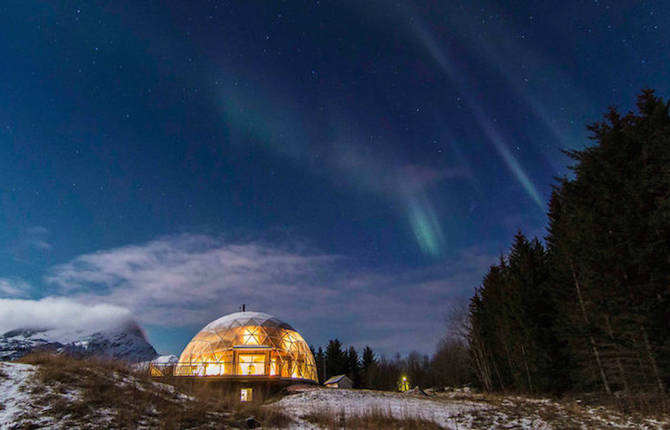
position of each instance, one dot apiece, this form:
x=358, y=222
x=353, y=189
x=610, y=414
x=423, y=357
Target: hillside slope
x=60, y=393
x=55, y=391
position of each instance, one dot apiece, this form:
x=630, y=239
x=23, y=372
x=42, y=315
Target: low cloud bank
x=59, y=313
x=184, y=280
x=189, y=280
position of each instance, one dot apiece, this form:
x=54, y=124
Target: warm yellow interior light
x=250, y=336
x=214, y=369
x=246, y=394
x=251, y=364
x=247, y=349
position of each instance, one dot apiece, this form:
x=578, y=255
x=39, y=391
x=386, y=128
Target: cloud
x=189, y=280
x=39, y=244
x=59, y=313
x=14, y=287
x=386, y=174
x=189, y=275
x=36, y=237
x=38, y=230
x=420, y=177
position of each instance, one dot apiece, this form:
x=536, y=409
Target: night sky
x=352, y=167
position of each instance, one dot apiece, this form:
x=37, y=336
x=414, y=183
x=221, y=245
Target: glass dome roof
x=250, y=345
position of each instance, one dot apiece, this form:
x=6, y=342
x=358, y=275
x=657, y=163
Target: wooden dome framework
x=247, y=346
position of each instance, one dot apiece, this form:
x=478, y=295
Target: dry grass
x=636, y=408
x=326, y=419
x=375, y=418
x=644, y=404
x=583, y=411
x=269, y=416
x=75, y=391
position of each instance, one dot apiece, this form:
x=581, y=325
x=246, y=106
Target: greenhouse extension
x=245, y=346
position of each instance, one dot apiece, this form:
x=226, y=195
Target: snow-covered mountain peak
x=124, y=341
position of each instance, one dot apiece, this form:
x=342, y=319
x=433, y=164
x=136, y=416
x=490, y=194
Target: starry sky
x=350, y=167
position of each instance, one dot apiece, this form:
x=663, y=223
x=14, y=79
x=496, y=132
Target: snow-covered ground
x=13, y=377
x=24, y=400
x=455, y=414
x=18, y=406
x=122, y=400
x=17, y=401
x=457, y=410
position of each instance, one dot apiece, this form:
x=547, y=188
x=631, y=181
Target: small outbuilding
x=338, y=381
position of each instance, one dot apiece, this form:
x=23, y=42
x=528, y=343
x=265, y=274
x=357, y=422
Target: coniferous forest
x=588, y=308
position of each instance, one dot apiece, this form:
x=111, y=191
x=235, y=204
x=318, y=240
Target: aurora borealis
x=363, y=160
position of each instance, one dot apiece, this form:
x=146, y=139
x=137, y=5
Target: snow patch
x=361, y=402
x=13, y=395
x=166, y=359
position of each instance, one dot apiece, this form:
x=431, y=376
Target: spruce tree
x=368, y=365
x=353, y=367
x=335, y=359
x=592, y=310
x=320, y=360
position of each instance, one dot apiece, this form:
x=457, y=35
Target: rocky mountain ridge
x=125, y=342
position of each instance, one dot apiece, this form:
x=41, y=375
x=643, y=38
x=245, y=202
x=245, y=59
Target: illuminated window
x=214, y=369
x=251, y=364
x=251, y=336
x=246, y=394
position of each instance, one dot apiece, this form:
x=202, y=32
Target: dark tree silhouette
x=592, y=310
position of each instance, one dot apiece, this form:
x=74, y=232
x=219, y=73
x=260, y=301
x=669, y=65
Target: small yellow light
x=246, y=394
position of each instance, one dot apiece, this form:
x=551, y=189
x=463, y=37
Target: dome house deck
x=245, y=348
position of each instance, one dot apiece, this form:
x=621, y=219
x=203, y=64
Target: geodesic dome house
x=248, y=346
